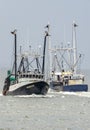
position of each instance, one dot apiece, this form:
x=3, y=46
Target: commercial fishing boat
x=65, y=75
x=28, y=77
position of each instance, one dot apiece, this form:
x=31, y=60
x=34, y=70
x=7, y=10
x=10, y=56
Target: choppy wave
x=81, y=94
x=54, y=94
x=84, y=94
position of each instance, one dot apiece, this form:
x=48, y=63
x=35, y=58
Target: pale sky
x=29, y=17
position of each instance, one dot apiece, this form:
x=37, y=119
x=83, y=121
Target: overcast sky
x=29, y=17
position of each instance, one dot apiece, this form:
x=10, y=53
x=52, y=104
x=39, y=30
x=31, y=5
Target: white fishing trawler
x=27, y=78
x=64, y=72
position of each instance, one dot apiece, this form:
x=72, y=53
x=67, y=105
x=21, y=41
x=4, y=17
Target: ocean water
x=54, y=111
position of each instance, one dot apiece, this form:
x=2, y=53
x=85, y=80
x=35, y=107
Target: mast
x=15, y=49
x=44, y=49
x=49, y=55
x=74, y=45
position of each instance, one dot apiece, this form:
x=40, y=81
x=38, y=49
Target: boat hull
x=40, y=87
x=76, y=88
x=57, y=86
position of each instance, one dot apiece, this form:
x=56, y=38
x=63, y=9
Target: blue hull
x=76, y=88
x=57, y=86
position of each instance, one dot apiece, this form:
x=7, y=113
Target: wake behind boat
x=29, y=78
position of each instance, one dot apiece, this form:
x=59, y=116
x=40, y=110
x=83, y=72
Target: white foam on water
x=84, y=94
x=68, y=93
x=1, y=94
x=35, y=96
x=51, y=94
x=80, y=94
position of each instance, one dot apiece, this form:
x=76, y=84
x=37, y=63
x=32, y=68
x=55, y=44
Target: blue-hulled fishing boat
x=65, y=75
